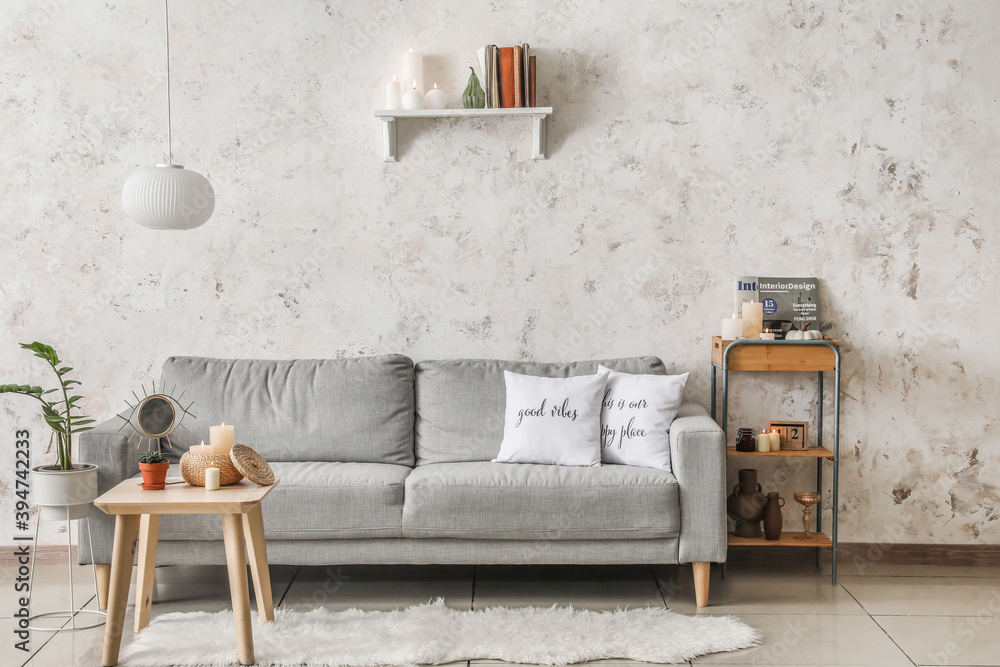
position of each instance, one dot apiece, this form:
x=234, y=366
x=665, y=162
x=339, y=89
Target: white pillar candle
x=775, y=438
x=393, y=95
x=763, y=442
x=732, y=328
x=435, y=98
x=413, y=99
x=767, y=335
x=202, y=449
x=222, y=438
x=211, y=479
x=753, y=319
x=413, y=69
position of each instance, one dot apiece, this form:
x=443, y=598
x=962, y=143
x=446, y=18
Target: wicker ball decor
x=252, y=465
x=193, y=469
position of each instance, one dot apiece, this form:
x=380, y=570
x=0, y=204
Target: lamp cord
x=166, y=21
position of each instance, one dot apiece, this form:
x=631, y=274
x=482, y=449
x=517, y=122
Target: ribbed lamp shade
x=168, y=196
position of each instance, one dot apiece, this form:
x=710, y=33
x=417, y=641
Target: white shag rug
x=430, y=634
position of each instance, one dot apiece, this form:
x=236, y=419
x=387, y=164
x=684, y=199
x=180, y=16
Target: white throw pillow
x=635, y=418
x=555, y=421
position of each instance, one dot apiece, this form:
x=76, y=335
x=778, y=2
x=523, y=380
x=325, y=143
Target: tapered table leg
x=149, y=533
x=232, y=532
x=126, y=530
x=253, y=528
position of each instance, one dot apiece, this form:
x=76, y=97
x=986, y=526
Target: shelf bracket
x=538, y=136
x=389, y=139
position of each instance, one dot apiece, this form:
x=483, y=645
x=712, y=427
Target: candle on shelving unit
x=753, y=319
x=413, y=69
x=436, y=98
x=763, y=442
x=202, y=449
x=775, y=438
x=767, y=335
x=394, y=94
x=732, y=328
x=222, y=438
x=211, y=479
x=413, y=99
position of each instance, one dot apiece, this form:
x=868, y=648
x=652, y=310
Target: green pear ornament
x=473, y=97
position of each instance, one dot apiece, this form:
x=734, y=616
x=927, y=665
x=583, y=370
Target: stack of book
x=508, y=74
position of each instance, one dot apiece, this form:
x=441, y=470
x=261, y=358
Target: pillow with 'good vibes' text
x=555, y=421
x=635, y=418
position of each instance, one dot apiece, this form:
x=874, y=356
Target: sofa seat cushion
x=512, y=501
x=314, y=501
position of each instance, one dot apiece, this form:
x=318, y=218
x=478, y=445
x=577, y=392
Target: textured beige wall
x=691, y=141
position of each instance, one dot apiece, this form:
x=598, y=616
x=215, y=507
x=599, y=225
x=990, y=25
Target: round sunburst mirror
x=156, y=415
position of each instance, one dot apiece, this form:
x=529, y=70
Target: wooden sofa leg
x=701, y=574
x=103, y=584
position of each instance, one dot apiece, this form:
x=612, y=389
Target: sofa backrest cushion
x=460, y=402
x=353, y=410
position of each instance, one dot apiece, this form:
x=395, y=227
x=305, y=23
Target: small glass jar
x=745, y=441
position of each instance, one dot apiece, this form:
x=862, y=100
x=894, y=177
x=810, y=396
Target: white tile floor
x=887, y=616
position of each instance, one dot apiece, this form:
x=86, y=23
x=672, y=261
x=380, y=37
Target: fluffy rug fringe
x=430, y=634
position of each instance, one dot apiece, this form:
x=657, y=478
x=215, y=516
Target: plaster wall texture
x=691, y=142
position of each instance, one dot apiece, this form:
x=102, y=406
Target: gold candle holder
x=807, y=499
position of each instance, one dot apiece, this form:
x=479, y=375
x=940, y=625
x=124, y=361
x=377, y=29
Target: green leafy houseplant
x=152, y=457
x=59, y=414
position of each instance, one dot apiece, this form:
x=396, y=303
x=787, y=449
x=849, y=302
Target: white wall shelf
x=389, y=119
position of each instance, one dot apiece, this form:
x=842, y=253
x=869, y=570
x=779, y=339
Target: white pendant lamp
x=168, y=196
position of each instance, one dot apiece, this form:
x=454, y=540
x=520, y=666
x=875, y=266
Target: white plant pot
x=64, y=494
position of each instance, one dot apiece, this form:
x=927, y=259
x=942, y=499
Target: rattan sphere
x=252, y=465
x=193, y=469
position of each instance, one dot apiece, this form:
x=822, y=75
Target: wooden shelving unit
x=788, y=539
x=817, y=356
x=389, y=119
x=807, y=453
x=776, y=355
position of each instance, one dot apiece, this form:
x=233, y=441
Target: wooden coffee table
x=137, y=514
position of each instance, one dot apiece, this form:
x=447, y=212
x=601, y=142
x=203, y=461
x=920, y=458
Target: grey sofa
x=381, y=461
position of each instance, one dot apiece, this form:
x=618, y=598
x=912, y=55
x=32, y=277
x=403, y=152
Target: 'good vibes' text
x=563, y=410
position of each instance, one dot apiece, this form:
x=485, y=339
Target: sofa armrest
x=698, y=458
x=116, y=460
x=108, y=447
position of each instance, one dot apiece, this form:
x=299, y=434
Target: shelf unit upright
x=817, y=356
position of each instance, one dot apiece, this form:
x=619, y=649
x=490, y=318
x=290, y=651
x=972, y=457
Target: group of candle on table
x=221, y=440
x=768, y=442
x=750, y=325
x=414, y=98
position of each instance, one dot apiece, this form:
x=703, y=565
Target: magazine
x=789, y=303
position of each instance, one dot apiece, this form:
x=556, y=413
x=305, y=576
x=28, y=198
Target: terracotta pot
x=772, y=516
x=154, y=475
x=746, y=505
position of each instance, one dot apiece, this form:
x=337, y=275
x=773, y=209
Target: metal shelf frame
x=819, y=431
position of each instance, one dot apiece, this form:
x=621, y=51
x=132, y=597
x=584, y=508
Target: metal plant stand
x=787, y=355
x=72, y=612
